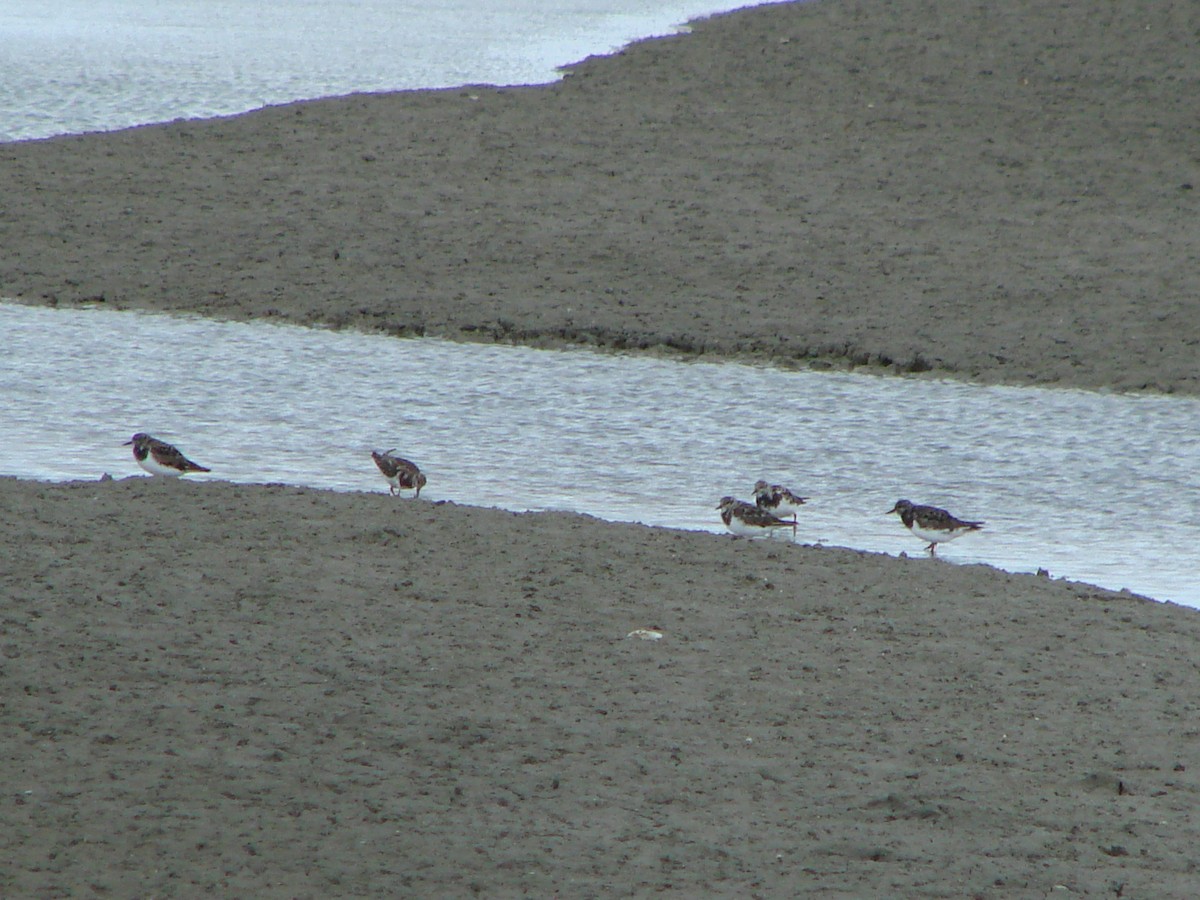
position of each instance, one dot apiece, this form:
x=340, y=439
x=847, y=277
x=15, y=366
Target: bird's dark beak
x=127, y=443
x=890, y=511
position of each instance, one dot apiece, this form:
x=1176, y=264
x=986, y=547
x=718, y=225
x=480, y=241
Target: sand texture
x=281, y=692
x=1001, y=192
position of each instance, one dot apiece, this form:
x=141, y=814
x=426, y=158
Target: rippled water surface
x=1094, y=487
x=88, y=65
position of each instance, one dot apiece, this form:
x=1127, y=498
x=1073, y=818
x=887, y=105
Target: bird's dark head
x=902, y=506
x=138, y=438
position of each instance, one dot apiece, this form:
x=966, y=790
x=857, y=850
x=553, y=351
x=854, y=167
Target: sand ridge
x=995, y=193
x=286, y=692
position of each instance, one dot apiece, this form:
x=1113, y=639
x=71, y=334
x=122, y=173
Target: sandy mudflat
x=284, y=692
x=994, y=191
x=215, y=689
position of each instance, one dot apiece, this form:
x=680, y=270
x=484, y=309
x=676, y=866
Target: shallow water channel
x=1090, y=486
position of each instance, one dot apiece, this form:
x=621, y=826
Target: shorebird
x=748, y=520
x=777, y=499
x=160, y=458
x=400, y=473
x=932, y=524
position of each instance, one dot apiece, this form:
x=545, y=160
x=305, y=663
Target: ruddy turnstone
x=748, y=520
x=160, y=458
x=777, y=499
x=400, y=473
x=932, y=524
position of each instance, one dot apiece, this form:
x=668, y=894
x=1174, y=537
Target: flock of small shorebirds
x=773, y=503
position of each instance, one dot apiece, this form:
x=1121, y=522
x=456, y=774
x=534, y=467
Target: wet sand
x=276, y=691
x=995, y=193
x=279, y=692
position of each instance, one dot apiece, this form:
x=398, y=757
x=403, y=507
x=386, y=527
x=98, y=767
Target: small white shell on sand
x=645, y=634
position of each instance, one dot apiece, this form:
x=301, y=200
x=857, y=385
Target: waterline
x=1094, y=487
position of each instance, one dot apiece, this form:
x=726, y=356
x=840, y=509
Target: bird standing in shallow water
x=932, y=524
x=748, y=520
x=400, y=473
x=160, y=458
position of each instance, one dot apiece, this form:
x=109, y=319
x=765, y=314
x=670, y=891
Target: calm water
x=71, y=66
x=1094, y=487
